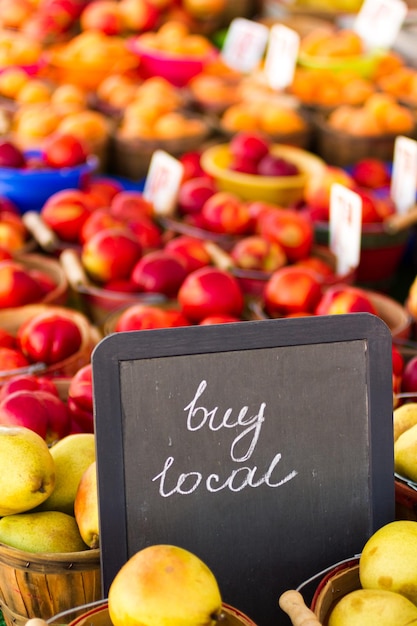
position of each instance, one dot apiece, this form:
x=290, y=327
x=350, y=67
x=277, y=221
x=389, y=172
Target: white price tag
x=404, y=174
x=345, y=227
x=281, y=56
x=163, y=181
x=244, y=45
x=378, y=22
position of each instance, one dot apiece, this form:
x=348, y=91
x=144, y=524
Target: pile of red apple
x=251, y=153
x=59, y=150
x=21, y=285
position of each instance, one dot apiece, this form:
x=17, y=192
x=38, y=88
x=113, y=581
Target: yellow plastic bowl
x=282, y=190
x=363, y=65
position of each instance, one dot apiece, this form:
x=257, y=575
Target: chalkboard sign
x=264, y=447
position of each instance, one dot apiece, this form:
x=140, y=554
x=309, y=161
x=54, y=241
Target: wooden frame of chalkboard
x=264, y=447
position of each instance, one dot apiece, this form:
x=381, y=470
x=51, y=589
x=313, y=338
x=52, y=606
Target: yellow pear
x=389, y=557
x=405, y=454
x=86, y=507
x=72, y=455
x=27, y=474
x=404, y=417
x=46, y=531
x=164, y=585
x=373, y=607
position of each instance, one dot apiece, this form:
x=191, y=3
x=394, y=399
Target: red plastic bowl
x=176, y=69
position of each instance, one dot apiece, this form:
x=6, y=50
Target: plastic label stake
x=244, y=45
x=345, y=227
x=378, y=22
x=163, y=181
x=281, y=56
x=404, y=174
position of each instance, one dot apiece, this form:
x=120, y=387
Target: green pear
x=47, y=531
x=72, y=455
x=369, y=607
x=404, y=417
x=27, y=476
x=405, y=454
x=86, y=509
x=389, y=557
x=164, y=585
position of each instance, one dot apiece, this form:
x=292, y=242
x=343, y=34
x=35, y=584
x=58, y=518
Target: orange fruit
x=12, y=79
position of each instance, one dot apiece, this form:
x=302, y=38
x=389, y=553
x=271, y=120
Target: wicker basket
x=11, y=319
x=42, y=585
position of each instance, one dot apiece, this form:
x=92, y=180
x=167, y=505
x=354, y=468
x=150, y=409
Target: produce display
x=89, y=91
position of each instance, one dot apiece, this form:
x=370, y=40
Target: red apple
x=49, y=337
x=65, y=213
x=192, y=250
x=224, y=212
x=409, y=376
x=17, y=286
x=11, y=155
x=249, y=145
x=274, y=165
x=99, y=219
x=159, y=271
x=193, y=193
x=219, y=319
x=102, y=190
x=7, y=340
x=317, y=190
x=46, y=283
x=147, y=232
x=210, y=291
x=371, y=172
x=292, y=230
x=398, y=362
x=146, y=317
x=243, y=165
x=258, y=253
x=12, y=359
x=345, y=299
x=63, y=150
x=40, y=411
x=191, y=162
x=138, y=15
x=80, y=399
x=131, y=205
x=292, y=289
x=370, y=213
x=103, y=16
x=111, y=254
x=28, y=382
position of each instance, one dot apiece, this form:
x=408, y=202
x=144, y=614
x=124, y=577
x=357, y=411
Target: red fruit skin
x=12, y=359
x=193, y=193
x=65, y=213
x=398, y=362
x=147, y=232
x=371, y=173
x=41, y=411
x=192, y=250
x=249, y=145
x=80, y=399
x=49, y=338
x=244, y=165
x=160, y=271
x=292, y=290
x=292, y=230
x=28, y=382
x=130, y=205
x=225, y=213
x=11, y=155
x=219, y=319
x=17, y=286
x=146, y=317
x=6, y=339
x=341, y=299
x=191, y=162
x=62, y=150
x=111, y=254
x=409, y=376
x=210, y=291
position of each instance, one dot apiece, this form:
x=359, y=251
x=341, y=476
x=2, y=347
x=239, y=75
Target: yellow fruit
x=86, y=507
x=404, y=417
x=164, y=585
x=27, y=474
x=47, y=531
x=369, y=607
x=388, y=560
x=405, y=454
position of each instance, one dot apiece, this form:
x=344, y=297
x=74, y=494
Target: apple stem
x=400, y=221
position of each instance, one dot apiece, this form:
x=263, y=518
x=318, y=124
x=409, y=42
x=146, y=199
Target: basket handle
x=400, y=221
x=43, y=235
x=292, y=603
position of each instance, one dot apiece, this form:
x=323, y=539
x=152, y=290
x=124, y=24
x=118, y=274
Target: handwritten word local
x=241, y=451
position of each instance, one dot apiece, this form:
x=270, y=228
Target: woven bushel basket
x=42, y=585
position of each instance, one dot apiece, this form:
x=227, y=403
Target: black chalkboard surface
x=264, y=447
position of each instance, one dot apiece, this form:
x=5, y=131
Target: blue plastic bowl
x=30, y=188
